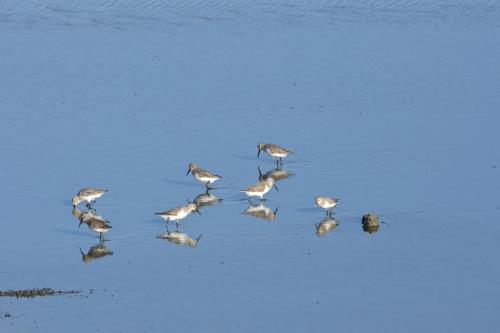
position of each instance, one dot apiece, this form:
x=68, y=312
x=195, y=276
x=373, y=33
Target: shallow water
x=396, y=114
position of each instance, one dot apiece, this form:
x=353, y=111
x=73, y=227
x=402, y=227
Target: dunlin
x=202, y=175
x=273, y=150
x=259, y=189
x=96, y=225
x=326, y=226
x=178, y=213
x=90, y=195
x=180, y=238
x=326, y=203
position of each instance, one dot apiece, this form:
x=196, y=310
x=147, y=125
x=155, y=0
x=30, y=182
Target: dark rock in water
x=370, y=229
x=370, y=219
x=370, y=223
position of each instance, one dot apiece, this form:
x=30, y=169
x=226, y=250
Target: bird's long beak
x=198, y=239
x=198, y=211
x=276, y=188
x=276, y=210
x=80, y=224
x=258, y=153
x=187, y=173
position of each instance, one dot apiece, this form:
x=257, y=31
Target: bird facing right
x=260, y=188
x=178, y=213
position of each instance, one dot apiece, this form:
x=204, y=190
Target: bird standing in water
x=202, y=175
x=178, y=213
x=326, y=203
x=260, y=188
x=96, y=225
x=273, y=150
x=90, y=195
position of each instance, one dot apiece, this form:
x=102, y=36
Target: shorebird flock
x=266, y=182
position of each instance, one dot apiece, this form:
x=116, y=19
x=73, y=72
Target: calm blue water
x=397, y=115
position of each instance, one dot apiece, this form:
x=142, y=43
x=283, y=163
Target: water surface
x=393, y=113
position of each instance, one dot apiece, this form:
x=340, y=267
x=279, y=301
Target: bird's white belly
x=90, y=198
x=206, y=179
x=257, y=194
x=327, y=205
x=278, y=154
x=180, y=215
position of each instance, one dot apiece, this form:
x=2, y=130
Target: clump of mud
x=29, y=293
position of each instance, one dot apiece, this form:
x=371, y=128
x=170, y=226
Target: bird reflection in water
x=206, y=199
x=261, y=211
x=179, y=238
x=86, y=215
x=326, y=226
x=95, y=252
x=277, y=174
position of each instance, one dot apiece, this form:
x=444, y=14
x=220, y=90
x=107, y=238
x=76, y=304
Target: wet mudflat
x=396, y=116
